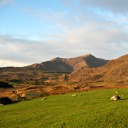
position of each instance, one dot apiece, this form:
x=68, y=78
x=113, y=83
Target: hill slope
x=115, y=70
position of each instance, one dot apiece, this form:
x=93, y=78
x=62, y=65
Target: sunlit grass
x=91, y=109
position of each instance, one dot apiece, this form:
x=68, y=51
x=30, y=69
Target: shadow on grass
x=124, y=99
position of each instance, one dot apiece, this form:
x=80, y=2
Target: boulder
x=115, y=98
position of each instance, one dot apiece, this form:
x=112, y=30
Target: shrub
x=5, y=100
x=5, y=85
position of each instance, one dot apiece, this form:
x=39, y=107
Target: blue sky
x=33, y=31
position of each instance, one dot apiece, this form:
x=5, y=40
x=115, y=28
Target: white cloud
x=6, y=63
x=23, y=51
x=100, y=41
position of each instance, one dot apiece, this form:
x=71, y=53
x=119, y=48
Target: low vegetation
x=5, y=85
x=5, y=101
x=92, y=109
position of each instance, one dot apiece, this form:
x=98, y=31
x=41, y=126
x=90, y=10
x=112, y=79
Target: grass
x=91, y=109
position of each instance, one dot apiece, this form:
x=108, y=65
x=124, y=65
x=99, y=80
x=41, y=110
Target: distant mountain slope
x=70, y=64
x=117, y=69
x=114, y=71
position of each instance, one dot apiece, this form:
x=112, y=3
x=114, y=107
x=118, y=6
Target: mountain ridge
x=70, y=64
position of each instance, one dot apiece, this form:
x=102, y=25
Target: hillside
x=114, y=71
x=70, y=64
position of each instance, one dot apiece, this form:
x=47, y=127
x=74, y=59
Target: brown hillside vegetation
x=114, y=71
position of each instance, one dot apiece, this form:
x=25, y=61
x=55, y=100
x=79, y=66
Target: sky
x=34, y=31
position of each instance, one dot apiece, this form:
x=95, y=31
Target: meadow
x=92, y=109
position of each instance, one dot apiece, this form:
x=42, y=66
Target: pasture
x=92, y=109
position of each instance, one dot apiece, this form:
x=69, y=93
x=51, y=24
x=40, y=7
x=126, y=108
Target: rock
x=44, y=98
x=63, y=77
x=74, y=94
x=115, y=98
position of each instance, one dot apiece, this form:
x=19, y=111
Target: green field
x=91, y=109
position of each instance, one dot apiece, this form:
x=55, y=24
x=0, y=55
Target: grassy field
x=91, y=109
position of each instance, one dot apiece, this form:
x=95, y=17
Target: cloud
x=21, y=50
x=5, y=2
x=100, y=38
x=5, y=63
x=24, y=52
x=115, y=6
x=98, y=27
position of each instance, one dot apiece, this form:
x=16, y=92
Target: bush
x=5, y=100
x=5, y=85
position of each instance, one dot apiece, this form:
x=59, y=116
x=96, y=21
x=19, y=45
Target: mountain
x=114, y=71
x=70, y=64
x=49, y=70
